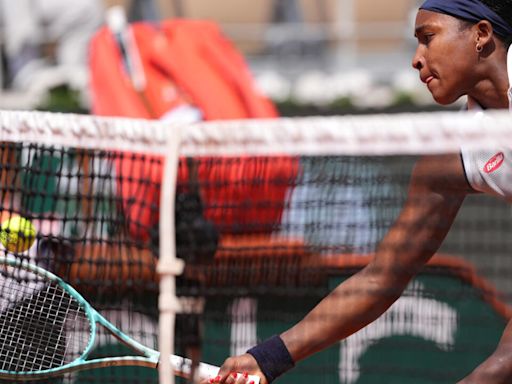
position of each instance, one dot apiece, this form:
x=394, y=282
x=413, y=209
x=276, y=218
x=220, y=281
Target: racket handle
x=183, y=367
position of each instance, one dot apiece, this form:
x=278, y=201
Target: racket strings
x=41, y=325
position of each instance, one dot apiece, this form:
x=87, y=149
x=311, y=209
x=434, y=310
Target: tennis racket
x=47, y=329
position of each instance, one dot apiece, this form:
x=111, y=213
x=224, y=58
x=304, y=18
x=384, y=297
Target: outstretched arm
x=436, y=191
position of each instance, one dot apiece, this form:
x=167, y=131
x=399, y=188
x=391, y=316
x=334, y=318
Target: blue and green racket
x=47, y=329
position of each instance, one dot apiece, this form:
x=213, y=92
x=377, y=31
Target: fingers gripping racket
x=47, y=329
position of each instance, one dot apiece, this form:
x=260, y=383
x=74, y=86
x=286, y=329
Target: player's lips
x=427, y=79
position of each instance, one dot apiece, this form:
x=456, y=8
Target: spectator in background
x=137, y=10
x=32, y=29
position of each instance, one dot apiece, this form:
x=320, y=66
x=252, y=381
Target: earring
x=479, y=48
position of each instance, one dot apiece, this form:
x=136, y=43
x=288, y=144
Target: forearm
x=351, y=306
x=409, y=244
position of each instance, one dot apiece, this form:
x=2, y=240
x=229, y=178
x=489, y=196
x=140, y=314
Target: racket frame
x=149, y=358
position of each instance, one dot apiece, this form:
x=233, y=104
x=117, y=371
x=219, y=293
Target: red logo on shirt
x=494, y=163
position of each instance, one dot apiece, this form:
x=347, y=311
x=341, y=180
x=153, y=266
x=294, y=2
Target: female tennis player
x=462, y=51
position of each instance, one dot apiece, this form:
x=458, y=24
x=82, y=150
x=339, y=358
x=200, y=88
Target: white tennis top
x=490, y=170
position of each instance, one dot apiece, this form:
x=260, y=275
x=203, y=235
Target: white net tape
x=84, y=131
x=419, y=133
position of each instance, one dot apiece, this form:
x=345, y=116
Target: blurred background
x=308, y=56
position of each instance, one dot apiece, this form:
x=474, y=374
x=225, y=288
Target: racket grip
x=183, y=367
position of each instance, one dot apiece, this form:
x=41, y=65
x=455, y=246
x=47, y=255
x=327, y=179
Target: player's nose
x=418, y=60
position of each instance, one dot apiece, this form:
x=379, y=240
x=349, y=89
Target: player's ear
x=484, y=33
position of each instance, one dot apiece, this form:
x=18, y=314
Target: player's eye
x=427, y=38
x=424, y=38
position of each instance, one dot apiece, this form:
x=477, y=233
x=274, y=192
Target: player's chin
x=443, y=98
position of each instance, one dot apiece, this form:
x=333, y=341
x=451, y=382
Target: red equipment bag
x=188, y=63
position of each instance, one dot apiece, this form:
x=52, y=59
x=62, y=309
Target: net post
x=168, y=265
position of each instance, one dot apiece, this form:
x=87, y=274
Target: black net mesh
x=91, y=232
x=264, y=238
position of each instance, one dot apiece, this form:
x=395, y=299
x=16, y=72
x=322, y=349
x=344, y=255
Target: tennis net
x=73, y=178
x=269, y=216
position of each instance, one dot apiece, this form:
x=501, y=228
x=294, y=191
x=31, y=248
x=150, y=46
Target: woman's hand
x=238, y=370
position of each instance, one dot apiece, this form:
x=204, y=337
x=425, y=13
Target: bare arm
x=436, y=192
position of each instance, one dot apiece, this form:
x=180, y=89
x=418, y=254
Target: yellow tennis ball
x=17, y=234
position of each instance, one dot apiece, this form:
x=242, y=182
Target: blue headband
x=470, y=10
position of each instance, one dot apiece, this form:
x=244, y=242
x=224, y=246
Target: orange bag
x=189, y=63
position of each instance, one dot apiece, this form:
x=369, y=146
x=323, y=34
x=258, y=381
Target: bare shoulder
x=441, y=173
